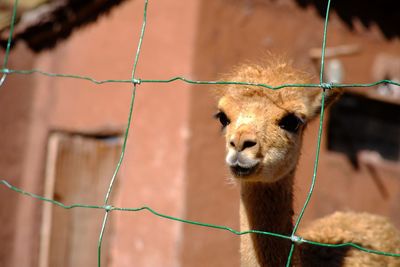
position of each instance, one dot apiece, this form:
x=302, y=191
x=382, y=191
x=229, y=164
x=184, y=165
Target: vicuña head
x=263, y=127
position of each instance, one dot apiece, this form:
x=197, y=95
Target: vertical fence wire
x=321, y=120
x=136, y=81
x=318, y=146
x=8, y=47
x=129, y=121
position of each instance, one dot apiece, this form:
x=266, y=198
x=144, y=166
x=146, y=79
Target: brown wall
x=154, y=166
x=16, y=107
x=231, y=32
x=175, y=158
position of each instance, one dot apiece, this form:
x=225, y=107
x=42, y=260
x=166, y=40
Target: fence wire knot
x=108, y=208
x=326, y=86
x=3, y=78
x=5, y=71
x=136, y=81
x=297, y=239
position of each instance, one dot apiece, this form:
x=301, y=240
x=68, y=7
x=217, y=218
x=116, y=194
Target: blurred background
x=61, y=138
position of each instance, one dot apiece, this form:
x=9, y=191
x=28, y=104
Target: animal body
x=263, y=130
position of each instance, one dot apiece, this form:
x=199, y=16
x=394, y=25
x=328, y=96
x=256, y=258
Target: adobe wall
x=153, y=171
x=231, y=32
x=175, y=157
x=15, y=119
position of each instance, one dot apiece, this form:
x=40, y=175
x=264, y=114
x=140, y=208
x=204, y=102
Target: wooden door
x=78, y=170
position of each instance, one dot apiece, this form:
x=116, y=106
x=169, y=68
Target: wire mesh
x=137, y=81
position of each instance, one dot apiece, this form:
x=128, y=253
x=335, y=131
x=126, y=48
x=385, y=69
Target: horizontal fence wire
x=109, y=208
x=137, y=81
x=183, y=79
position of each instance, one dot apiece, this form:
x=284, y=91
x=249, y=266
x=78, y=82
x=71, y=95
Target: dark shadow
x=383, y=13
x=360, y=124
x=61, y=19
x=317, y=256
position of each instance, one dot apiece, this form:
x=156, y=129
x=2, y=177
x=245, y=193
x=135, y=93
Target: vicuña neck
x=266, y=207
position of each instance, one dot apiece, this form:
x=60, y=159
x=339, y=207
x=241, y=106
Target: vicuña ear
x=331, y=95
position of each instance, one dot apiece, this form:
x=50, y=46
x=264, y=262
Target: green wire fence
x=137, y=81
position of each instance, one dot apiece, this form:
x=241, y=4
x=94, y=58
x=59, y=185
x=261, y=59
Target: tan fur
x=254, y=138
x=370, y=231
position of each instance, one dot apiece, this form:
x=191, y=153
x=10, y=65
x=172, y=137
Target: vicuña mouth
x=239, y=171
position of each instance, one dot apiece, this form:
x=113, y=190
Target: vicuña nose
x=241, y=144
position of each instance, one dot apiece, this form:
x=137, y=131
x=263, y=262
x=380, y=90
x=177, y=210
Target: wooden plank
x=78, y=171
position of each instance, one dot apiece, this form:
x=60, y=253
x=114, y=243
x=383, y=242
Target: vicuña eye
x=223, y=119
x=290, y=123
